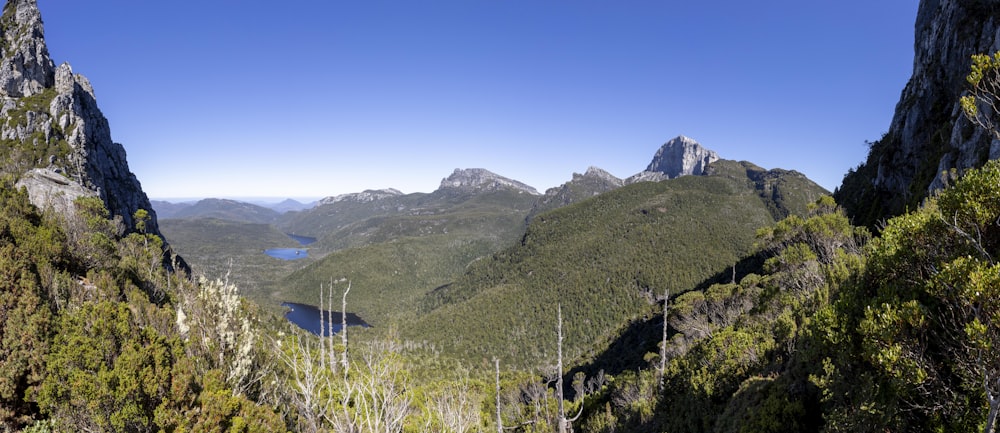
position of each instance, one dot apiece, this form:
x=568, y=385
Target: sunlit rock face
x=25, y=68
x=681, y=156
x=473, y=180
x=56, y=139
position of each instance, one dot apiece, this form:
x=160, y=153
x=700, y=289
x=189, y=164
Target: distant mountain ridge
x=366, y=196
x=225, y=209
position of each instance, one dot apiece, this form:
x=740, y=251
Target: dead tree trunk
x=343, y=329
x=564, y=423
x=993, y=397
x=663, y=343
x=499, y=419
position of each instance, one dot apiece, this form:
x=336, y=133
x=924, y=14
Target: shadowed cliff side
x=928, y=135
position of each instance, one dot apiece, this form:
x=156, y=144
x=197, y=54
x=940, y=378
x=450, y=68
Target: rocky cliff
x=53, y=137
x=928, y=134
x=681, y=156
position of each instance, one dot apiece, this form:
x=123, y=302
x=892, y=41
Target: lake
x=307, y=317
x=302, y=240
x=287, y=253
x=292, y=253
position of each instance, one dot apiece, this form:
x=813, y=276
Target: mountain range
x=700, y=294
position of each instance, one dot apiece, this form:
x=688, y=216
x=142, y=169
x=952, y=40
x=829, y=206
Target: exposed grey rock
x=366, y=196
x=25, y=68
x=478, y=179
x=47, y=188
x=53, y=110
x=681, y=156
x=646, y=176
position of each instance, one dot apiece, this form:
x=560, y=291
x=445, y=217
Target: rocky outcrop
x=475, y=180
x=681, y=156
x=26, y=68
x=928, y=134
x=366, y=196
x=593, y=182
x=49, y=120
x=48, y=186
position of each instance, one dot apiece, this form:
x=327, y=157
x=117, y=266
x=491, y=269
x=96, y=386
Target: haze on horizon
x=248, y=99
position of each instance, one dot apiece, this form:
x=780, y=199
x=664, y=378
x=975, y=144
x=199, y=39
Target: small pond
x=307, y=317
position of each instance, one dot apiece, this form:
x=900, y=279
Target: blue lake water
x=292, y=253
x=307, y=317
x=302, y=240
x=287, y=253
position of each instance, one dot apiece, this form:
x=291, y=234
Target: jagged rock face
x=479, y=180
x=681, y=156
x=928, y=134
x=366, y=196
x=50, y=120
x=26, y=68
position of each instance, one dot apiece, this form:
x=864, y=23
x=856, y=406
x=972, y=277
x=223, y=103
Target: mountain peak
x=599, y=173
x=479, y=179
x=682, y=156
x=26, y=68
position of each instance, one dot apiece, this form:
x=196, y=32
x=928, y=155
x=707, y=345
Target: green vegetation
x=833, y=336
x=397, y=249
x=89, y=336
x=605, y=259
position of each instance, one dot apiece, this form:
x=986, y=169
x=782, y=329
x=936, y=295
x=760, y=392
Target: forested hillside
x=838, y=332
x=395, y=256
x=605, y=259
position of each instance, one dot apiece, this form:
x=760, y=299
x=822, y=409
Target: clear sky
x=311, y=98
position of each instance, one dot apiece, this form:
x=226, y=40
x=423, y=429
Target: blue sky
x=311, y=98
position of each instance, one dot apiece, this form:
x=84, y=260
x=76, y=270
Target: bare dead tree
x=564, y=423
x=496, y=362
x=306, y=382
x=343, y=329
x=663, y=342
